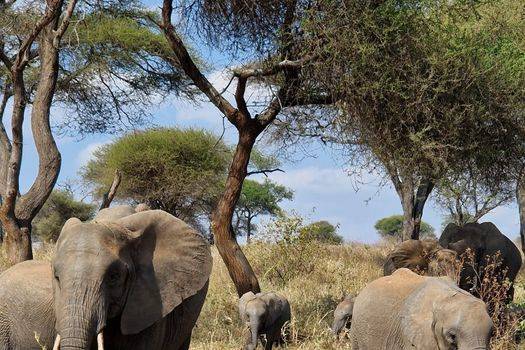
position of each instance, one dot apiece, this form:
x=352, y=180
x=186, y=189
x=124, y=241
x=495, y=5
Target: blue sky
x=323, y=190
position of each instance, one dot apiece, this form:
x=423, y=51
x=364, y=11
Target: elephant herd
x=419, y=305
x=135, y=278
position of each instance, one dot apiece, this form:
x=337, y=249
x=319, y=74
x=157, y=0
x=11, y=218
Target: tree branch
x=110, y=194
x=246, y=73
x=265, y=172
x=65, y=23
x=191, y=69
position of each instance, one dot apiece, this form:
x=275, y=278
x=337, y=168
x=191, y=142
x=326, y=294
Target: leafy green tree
x=180, y=171
x=424, y=88
x=392, y=227
x=321, y=231
x=60, y=206
x=258, y=199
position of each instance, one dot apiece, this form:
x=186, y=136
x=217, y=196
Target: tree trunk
x=423, y=192
x=413, y=206
x=238, y=266
x=17, y=241
x=520, y=196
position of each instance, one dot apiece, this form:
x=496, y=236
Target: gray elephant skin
x=485, y=241
x=264, y=313
x=135, y=282
x=423, y=257
x=343, y=315
x=409, y=311
x=26, y=307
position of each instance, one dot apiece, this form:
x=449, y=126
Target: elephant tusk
x=56, y=346
x=100, y=341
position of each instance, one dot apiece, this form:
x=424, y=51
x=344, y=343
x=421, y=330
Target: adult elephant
x=486, y=243
x=138, y=282
x=27, y=321
x=409, y=311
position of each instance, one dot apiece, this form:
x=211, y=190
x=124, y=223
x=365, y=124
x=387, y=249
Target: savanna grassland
x=314, y=277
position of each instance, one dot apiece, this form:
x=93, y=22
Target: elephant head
x=253, y=312
x=343, y=315
x=131, y=272
x=461, y=322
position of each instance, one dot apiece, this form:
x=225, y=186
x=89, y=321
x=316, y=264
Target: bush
x=60, y=206
x=321, y=231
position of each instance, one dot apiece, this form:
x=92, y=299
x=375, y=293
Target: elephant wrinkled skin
x=26, y=307
x=264, y=313
x=409, y=311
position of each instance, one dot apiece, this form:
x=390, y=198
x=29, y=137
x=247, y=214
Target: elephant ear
x=70, y=223
x=243, y=301
x=172, y=263
x=459, y=247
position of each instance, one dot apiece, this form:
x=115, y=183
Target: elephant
x=264, y=313
x=343, y=315
x=119, y=211
x=421, y=256
x=408, y=311
x=485, y=242
x=26, y=307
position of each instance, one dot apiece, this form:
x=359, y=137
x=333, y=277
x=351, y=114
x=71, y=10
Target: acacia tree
x=466, y=197
x=101, y=72
x=258, y=199
x=424, y=89
x=271, y=28
x=16, y=212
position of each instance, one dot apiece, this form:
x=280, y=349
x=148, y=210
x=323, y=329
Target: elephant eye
x=114, y=277
x=451, y=337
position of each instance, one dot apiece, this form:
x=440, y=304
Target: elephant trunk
x=338, y=325
x=80, y=325
x=254, y=330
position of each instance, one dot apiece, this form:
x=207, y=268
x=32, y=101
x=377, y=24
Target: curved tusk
x=56, y=346
x=100, y=341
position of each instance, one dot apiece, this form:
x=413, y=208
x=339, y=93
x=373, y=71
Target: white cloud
x=86, y=154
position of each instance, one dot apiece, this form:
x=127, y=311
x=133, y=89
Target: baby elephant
x=264, y=313
x=343, y=315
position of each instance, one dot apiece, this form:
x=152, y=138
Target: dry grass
x=313, y=277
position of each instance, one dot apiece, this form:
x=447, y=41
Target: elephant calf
x=264, y=313
x=343, y=315
x=409, y=311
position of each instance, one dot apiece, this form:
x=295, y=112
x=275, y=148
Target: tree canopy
x=258, y=199
x=181, y=171
x=321, y=231
x=423, y=89
x=392, y=227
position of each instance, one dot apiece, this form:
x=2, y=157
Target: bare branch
x=65, y=22
x=265, y=172
x=264, y=72
x=110, y=194
x=191, y=69
x=23, y=55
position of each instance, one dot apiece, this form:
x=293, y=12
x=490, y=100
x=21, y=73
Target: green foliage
x=321, y=231
x=60, y=206
x=180, y=171
x=259, y=199
x=392, y=227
